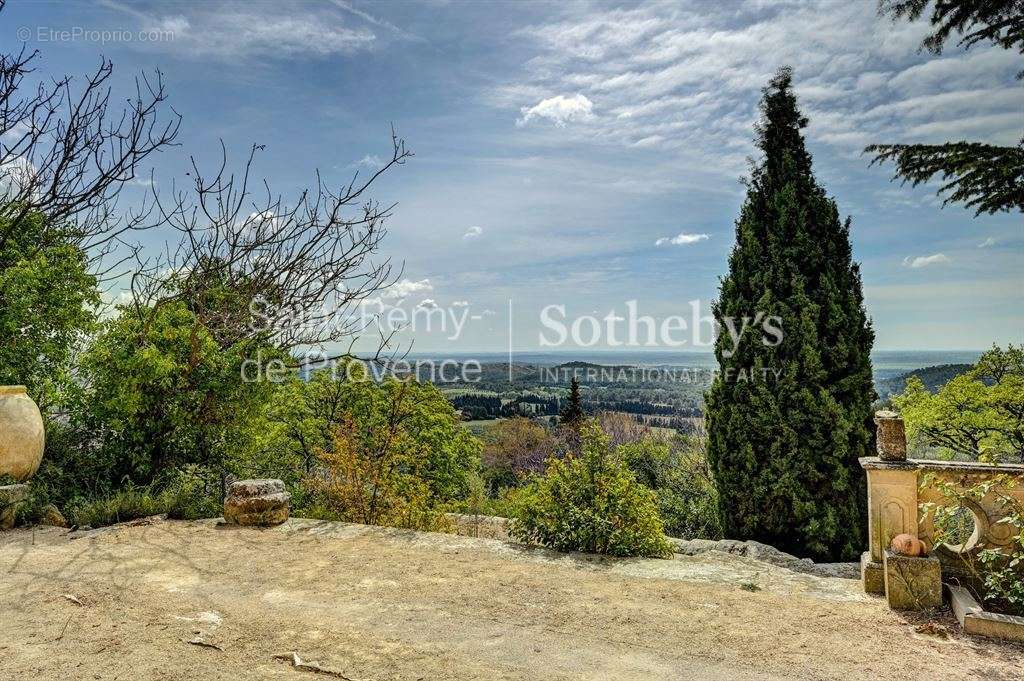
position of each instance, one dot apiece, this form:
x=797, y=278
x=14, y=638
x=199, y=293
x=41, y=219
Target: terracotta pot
x=908, y=545
x=21, y=433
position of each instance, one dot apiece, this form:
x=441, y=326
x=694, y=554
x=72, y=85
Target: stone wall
x=897, y=488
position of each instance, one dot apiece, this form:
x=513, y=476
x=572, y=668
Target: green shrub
x=678, y=473
x=191, y=493
x=589, y=502
x=126, y=504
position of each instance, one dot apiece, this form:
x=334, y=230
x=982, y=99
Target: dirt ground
x=178, y=600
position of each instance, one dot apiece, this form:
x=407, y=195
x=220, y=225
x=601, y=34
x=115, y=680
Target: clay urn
x=908, y=545
x=21, y=433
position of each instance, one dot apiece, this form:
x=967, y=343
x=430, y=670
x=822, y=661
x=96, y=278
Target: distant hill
x=933, y=378
x=579, y=365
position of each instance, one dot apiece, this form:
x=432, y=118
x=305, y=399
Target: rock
x=11, y=497
x=21, y=433
x=53, y=517
x=258, y=503
x=765, y=553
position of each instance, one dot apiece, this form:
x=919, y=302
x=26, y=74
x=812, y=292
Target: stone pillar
x=892, y=497
x=890, y=436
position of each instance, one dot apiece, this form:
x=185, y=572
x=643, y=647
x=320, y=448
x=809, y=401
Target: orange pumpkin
x=908, y=545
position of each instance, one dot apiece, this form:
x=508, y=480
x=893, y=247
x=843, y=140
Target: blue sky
x=584, y=154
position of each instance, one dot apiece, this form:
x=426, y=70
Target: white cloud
x=460, y=303
x=687, y=82
x=681, y=239
x=987, y=242
x=427, y=304
x=369, y=161
x=233, y=31
x=926, y=260
x=559, y=109
x=406, y=287
x=473, y=232
x=488, y=313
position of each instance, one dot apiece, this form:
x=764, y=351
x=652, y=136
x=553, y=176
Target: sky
x=578, y=154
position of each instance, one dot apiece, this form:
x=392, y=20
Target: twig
x=203, y=644
x=297, y=663
x=63, y=630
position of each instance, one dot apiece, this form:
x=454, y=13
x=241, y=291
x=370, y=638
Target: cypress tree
x=784, y=449
x=573, y=413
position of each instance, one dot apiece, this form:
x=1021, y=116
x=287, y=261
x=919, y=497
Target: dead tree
x=67, y=152
x=254, y=267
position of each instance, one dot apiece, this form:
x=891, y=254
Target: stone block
x=872, y=575
x=890, y=436
x=912, y=583
x=974, y=619
x=11, y=497
x=258, y=503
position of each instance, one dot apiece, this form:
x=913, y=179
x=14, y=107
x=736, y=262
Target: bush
x=191, y=494
x=514, y=448
x=126, y=504
x=306, y=418
x=589, y=502
x=678, y=472
x=382, y=467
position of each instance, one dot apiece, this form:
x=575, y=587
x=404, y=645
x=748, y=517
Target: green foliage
x=159, y=393
x=1000, y=22
x=998, y=572
x=389, y=463
x=589, y=502
x=784, y=450
x=933, y=378
x=514, y=449
x=986, y=177
x=306, y=416
x=678, y=473
x=127, y=503
x=48, y=301
x=191, y=494
x=978, y=415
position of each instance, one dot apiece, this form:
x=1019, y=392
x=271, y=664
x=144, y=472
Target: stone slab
x=976, y=620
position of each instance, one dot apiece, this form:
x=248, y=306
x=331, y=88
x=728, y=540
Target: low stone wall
x=897, y=488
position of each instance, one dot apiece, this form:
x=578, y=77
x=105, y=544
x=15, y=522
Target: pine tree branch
x=985, y=177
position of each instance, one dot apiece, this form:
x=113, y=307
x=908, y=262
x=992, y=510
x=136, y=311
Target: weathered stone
x=11, y=497
x=872, y=574
x=764, y=553
x=912, y=583
x=255, y=488
x=974, y=619
x=257, y=503
x=21, y=433
x=891, y=437
x=53, y=517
